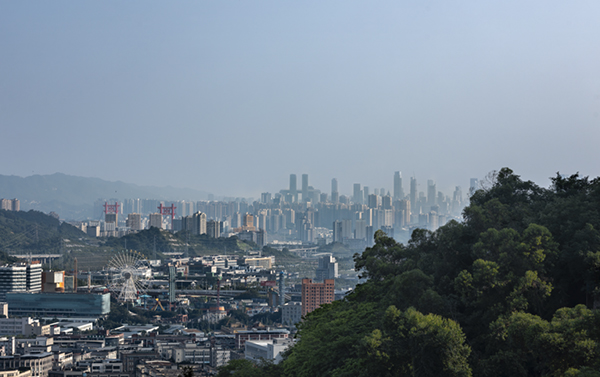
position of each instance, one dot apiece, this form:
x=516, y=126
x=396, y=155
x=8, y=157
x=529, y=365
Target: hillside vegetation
x=508, y=292
x=33, y=231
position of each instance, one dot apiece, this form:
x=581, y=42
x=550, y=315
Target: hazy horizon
x=231, y=98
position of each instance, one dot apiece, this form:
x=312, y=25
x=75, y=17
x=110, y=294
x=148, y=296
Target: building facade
x=20, y=277
x=291, y=313
x=58, y=304
x=328, y=268
x=316, y=294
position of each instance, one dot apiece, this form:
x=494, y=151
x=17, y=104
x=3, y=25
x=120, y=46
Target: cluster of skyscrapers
x=303, y=212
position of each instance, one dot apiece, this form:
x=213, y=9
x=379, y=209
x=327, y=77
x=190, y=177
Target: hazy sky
x=233, y=96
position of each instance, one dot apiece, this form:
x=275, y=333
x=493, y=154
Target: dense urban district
x=303, y=283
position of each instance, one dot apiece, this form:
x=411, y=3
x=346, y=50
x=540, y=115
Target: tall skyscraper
x=293, y=187
x=457, y=201
x=304, y=187
x=431, y=193
x=474, y=186
x=358, y=196
x=413, y=191
x=398, y=191
x=334, y=191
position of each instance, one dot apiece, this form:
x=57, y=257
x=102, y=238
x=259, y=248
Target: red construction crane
x=111, y=208
x=168, y=211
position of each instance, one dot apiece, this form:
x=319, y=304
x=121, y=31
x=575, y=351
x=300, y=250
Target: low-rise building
x=268, y=350
x=15, y=373
x=291, y=313
x=40, y=364
x=264, y=262
x=23, y=326
x=242, y=336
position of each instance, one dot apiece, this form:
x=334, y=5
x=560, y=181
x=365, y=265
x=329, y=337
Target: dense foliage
x=508, y=292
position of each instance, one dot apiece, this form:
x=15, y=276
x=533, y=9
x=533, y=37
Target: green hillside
x=34, y=232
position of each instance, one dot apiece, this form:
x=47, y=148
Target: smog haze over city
x=232, y=97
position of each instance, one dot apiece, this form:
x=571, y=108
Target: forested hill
x=34, y=231
x=508, y=292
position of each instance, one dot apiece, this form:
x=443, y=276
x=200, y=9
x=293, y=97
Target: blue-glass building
x=58, y=304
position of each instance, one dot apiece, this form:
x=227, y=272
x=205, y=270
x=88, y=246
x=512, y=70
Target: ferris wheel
x=128, y=273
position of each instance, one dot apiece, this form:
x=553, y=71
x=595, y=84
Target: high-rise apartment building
x=213, y=228
x=199, y=223
x=360, y=229
x=316, y=294
x=328, y=268
x=374, y=201
x=111, y=218
x=134, y=221
x=265, y=198
x=10, y=204
x=155, y=220
x=386, y=202
x=337, y=231
x=405, y=207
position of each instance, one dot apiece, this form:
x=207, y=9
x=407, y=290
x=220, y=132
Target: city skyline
x=346, y=190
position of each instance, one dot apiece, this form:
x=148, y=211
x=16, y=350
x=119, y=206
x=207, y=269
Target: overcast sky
x=231, y=97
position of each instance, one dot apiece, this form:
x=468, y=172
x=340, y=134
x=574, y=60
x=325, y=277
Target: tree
x=412, y=344
x=187, y=371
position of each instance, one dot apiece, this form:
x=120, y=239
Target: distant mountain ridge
x=72, y=197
